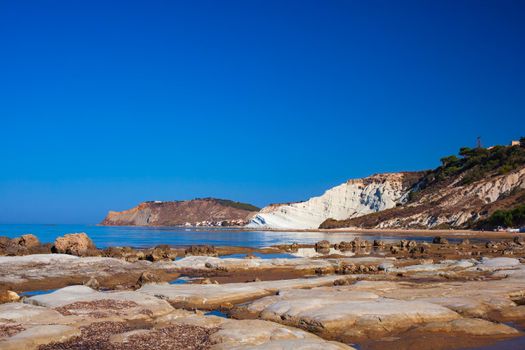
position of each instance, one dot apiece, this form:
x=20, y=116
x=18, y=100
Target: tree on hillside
x=465, y=151
x=448, y=160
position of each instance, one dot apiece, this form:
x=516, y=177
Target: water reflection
x=141, y=237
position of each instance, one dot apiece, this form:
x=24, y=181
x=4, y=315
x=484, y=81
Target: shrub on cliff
x=476, y=164
x=505, y=218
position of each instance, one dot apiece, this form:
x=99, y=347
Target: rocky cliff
x=197, y=212
x=465, y=192
x=453, y=206
x=351, y=199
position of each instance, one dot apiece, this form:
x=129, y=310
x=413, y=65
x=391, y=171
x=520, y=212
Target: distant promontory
x=196, y=212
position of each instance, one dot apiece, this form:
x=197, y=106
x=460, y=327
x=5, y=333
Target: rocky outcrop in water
x=197, y=212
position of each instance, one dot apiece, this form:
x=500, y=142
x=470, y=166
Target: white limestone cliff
x=351, y=199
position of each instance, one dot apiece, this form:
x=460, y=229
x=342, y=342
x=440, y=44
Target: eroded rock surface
x=49, y=271
x=197, y=264
x=71, y=319
x=74, y=243
x=343, y=312
x=211, y=296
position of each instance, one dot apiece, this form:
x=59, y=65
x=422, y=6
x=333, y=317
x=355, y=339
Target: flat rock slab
x=446, y=265
x=498, y=263
x=179, y=326
x=84, y=301
x=469, y=298
x=38, y=335
x=198, y=263
x=339, y=311
x=470, y=326
x=24, y=314
x=232, y=264
x=211, y=296
x=37, y=325
x=21, y=271
x=256, y=334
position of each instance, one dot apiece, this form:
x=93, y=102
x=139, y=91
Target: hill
x=479, y=188
x=196, y=212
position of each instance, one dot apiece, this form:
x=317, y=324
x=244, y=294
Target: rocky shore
x=371, y=294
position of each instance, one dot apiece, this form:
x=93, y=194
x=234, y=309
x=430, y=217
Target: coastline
x=457, y=233
x=431, y=277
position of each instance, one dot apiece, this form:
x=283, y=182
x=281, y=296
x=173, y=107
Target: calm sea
x=104, y=236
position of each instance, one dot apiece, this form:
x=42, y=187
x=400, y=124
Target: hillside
x=196, y=212
x=353, y=198
x=466, y=191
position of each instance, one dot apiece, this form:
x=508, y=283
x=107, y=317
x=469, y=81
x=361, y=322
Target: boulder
x=378, y=243
x=9, y=248
x=148, y=277
x=4, y=243
x=74, y=243
x=161, y=252
x=207, y=250
x=127, y=253
x=440, y=240
x=92, y=283
x=8, y=296
x=28, y=241
x=322, y=245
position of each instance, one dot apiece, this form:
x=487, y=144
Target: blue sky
x=104, y=104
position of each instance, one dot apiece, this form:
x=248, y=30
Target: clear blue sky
x=104, y=104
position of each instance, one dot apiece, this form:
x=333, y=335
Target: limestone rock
x=261, y=335
x=349, y=200
x=339, y=311
x=62, y=269
x=38, y=335
x=322, y=245
x=207, y=250
x=211, y=296
x=148, y=277
x=82, y=300
x=470, y=326
x=74, y=243
x=92, y=283
x=161, y=252
x=27, y=241
x=440, y=240
x=8, y=296
x=498, y=263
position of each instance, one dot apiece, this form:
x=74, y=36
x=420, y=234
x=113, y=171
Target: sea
x=145, y=237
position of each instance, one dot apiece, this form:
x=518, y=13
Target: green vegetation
x=507, y=218
x=237, y=205
x=474, y=164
